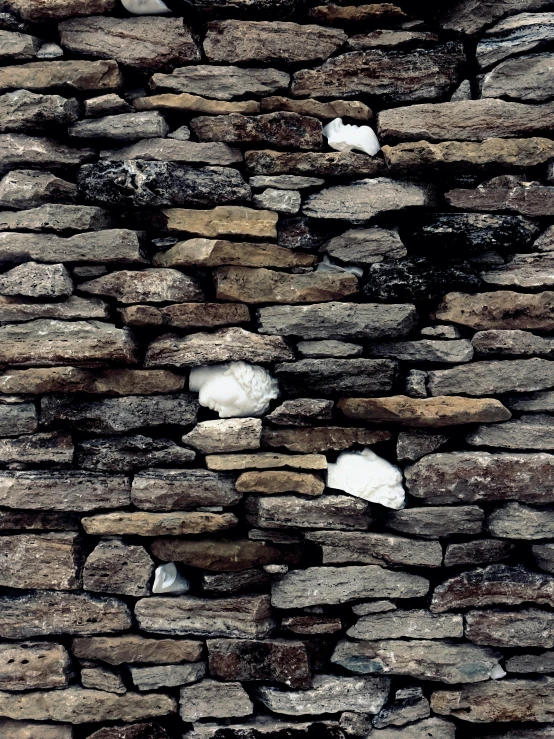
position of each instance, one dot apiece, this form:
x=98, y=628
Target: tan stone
x=31, y=666
x=322, y=438
x=317, y=109
x=71, y=75
x=265, y=460
x=224, y=220
x=424, y=412
x=37, y=10
x=216, y=253
x=130, y=648
x=503, y=309
x=40, y=561
x=171, y=523
x=32, y=730
x=184, y=315
x=280, y=481
x=195, y=104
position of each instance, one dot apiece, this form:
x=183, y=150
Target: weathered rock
x=114, y=567
x=267, y=730
x=47, y=448
x=424, y=660
x=499, y=310
x=124, y=127
x=527, y=432
x=432, y=523
x=390, y=39
x=408, y=706
x=17, y=417
x=167, y=676
x=56, y=218
x=271, y=660
x=322, y=438
x=224, y=220
x=212, y=699
x=173, y=490
x=530, y=627
x=169, y=150
x=139, y=523
x=467, y=17
x=185, y=315
x=511, y=343
x=269, y=42
x=412, y=445
x=145, y=42
x=26, y=111
x=333, y=585
x=467, y=120
x=233, y=583
x=27, y=188
x=18, y=47
x=68, y=75
x=477, y=552
x=132, y=731
x=524, y=270
x=37, y=10
x=46, y=613
x=340, y=320
x=216, y=554
x=32, y=665
x=109, y=104
x=544, y=557
x=340, y=512
x=517, y=35
x=317, y=109
x=325, y=164
x=505, y=193
x=519, y=521
x=242, y=617
x=532, y=402
x=329, y=348
x=273, y=129
x=285, y=182
x=232, y=344
x=18, y=150
x=129, y=453
x=101, y=678
x=497, y=701
x=282, y=201
x=412, y=624
x=38, y=521
x=150, y=285
x=255, y=286
x=221, y=83
x=266, y=460
x=188, y=103
x=41, y=561
x=76, y=705
x=365, y=246
x=434, y=412
x=384, y=74
x=312, y=624
x=280, y=481
x=527, y=78
x=374, y=14
x=117, y=650
x=225, y=435
x=216, y=253
x=300, y=412
x=365, y=199
x=37, y=281
x=325, y=376
x=375, y=549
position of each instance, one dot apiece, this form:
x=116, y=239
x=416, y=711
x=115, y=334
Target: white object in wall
x=168, y=579
x=234, y=390
x=145, y=7
x=365, y=475
x=344, y=137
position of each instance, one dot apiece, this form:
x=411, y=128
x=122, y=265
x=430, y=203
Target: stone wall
x=372, y=552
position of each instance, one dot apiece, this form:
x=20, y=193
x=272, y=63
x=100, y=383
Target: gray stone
x=17, y=417
x=282, y=201
x=439, y=661
x=442, y=331
x=398, y=624
x=128, y=453
x=412, y=445
x=506, y=192
x=100, y=678
x=530, y=627
x=511, y=343
x=56, y=218
x=431, y=728
x=225, y=435
x=520, y=521
x=527, y=78
x=477, y=552
x=425, y=350
x=409, y=705
x=18, y=47
x=525, y=663
x=27, y=188
x=213, y=699
x=544, y=557
x=47, y=448
x=24, y=111
x=114, y=567
x=178, y=490
x=69, y=76
x=109, y=104
x=531, y=402
x=124, y=127
x=432, y=523
x=222, y=83
x=365, y=246
x=329, y=348
x=173, y=150
x=246, y=616
x=329, y=376
x=337, y=512
x=167, y=676
x=492, y=378
x=19, y=150
x=149, y=285
x=265, y=729
x=520, y=34
x=328, y=694
x=319, y=164
x=528, y=432
x=470, y=18
x=32, y=666
x=233, y=583
x=415, y=385
x=32, y=280
x=41, y=561
x=524, y=270
x=334, y=585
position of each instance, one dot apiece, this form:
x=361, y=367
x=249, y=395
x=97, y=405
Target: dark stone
x=328, y=376
x=130, y=453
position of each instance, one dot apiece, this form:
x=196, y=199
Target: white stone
x=367, y=476
x=345, y=137
x=236, y=389
x=145, y=7
x=168, y=579
x=497, y=673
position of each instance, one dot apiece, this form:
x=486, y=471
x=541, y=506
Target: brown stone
x=266, y=460
x=340, y=512
x=41, y=561
x=185, y=315
x=224, y=220
x=477, y=552
x=178, y=490
x=131, y=648
x=38, y=521
x=272, y=129
x=174, y=523
x=257, y=286
x=114, y=567
x=312, y=624
x=216, y=554
x=530, y=627
x=499, y=310
x=68, y=75
x=217, y=253
x=271, y=660
x=373, y=14
x=187, y=103
x=280, y=481
x=32, y=666
x=505, y=193
x=181, y=152
x=317, y=109
x=325, y=164
x=322, y=438
x=424, y=412
x=38, y=10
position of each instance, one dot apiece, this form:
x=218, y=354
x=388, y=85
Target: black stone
x=301, y=233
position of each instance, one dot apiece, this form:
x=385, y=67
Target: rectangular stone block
x=40, y=561
x=33, y=666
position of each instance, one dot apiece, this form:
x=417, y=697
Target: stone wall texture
x=168, y=201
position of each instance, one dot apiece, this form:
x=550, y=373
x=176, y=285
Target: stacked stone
x=168, y=201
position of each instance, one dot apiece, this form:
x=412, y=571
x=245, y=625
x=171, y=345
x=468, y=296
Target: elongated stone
x=432, y=523
x=267, y=730
x=27, y=188
x=150, y=285
x=525, y=663
x=434, y=727
x=420, y=659
x=526, y=79
x=242, y=617
x=40, y=561
x=224, y=220
x=520, y=34
x=300, y=412
x=323, y=110
x=18, y=47
x=492, y=377
x=280, y=481
x=131, y=648
x=185, y=315
x=328, y=511
x=524, y=270
x=36, y=10
x=110, y=246
x=324, y=164
x=67, y=75
x=19, y=150
x=334, y=585
x=56, y=218
x=17, y=310
x=47, y=448
x=326, y=376
x=365, y=246
x=125, y=454
x=173, y=523
x=374, y=14
x=412, y=445
x=520, y=521
x=271, y=42
x=222, y=83
x=416, y=624
x=217, y=253
x=499, y=310
x=169, y=150
x=265, y=461
x=149, y=730
x=174, y=490
x=322, y=438
x=530, y=627
x=225, y=435
x=32, y=666
x=505, y=193
x=379, y=73
x=511, y=343
x=466, y=17
x=45, y=613
x=235, y=583
x=339, y=547
x=528, y=432
x=271, y=129
x=167, y=676
x=212, y=699
x=477, y=552
x=26, y=111
x=188, y=103
x=122, y=127
x=217, y=554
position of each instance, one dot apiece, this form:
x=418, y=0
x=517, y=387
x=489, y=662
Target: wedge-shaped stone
x=115, y=567
x=26, y=111
x=439, y=479
x=315, y=164
x=232, y=344
x=27, y=188
x=524, y=270
x=221, y=83
x=339, y=547
x=365, y=246
x=225, y=220
x=527, y=79
x=108, y=247
x=144, y=42
x=499, y=310
x=432, y=523
x=170, y=150
x=18, y=150
x=131, y=648
x=175, y=490
x=269, y=42
x=32, y=666
x=271, y=129
x=280, y=481
x=411, y=624
x=139, y=182
x=340, y=320
x=140, y=523
x=334, y=585
x=527, y=432
x=364, y=199
x=188, y=103
x=242, y=617
x=265, y=461
x=519, y=521
x=317, y=109
x=275, y=660
x=218, y=555
x=76, y=705
x=466, y=120
x=340, y=512
x=46, y=613
x=166, y=676
x=150, y=285
x=40, y=561
x=217, y=253
x=322, y=438
x=256, y=286
x=302, y=412
x=530, y=627
x=423, y=660
x=505, y=193
x=212, y=699
x=329, y=694
x=70, y=76
x=266, y=730
x=330, y=376
x=18, y=47
x=491, y=378
x=520, y=34
x=497, y=701
x=390, y=76
x=426, y=412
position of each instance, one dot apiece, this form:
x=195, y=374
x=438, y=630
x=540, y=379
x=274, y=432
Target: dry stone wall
x=348, y=530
